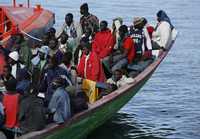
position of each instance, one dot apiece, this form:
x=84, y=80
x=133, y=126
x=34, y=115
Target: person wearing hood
x=39, y=63
x=103, y=41
x=13, y=61
x=162, y=35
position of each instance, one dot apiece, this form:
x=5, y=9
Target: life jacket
x=11, y=104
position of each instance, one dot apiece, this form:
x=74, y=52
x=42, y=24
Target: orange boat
x=33, y=22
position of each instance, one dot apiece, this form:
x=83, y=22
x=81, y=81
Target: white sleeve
x=148, y=40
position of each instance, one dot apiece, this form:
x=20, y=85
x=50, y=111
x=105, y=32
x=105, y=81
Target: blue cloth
x=49, y=76
x=60, y=105
x=162, y=16
x=23, y=86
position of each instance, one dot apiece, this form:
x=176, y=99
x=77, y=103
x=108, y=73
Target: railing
x=15, y=3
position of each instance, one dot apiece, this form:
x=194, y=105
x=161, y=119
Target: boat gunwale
x=103, y=101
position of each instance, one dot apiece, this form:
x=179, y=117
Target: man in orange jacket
x=90, y=66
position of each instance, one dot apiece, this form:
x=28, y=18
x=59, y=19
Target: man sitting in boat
x=126, y=51
x=73, y=30
x=11, y=109
x=119, y=79
x=90, y=66
x=88, y=20
x=163, y=31
x=54, y=51
x=141, y=38
x=103, y=41
x=39, y=64
x=53, y=71
x=59, y=105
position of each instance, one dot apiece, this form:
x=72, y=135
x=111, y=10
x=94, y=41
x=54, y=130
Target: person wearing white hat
x=39, y=63
x=13, y=61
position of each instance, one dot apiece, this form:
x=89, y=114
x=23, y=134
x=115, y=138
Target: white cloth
x=85, y=67
x=14, y=69
x=123, y=81
x=148, y=40
x=162, y=35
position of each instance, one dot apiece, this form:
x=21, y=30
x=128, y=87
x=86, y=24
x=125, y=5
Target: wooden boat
x=84, y=122
x=32, y=22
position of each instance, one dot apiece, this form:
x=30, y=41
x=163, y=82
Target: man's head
x=69, y=19
x=103, y=25
x=7, y=70
x=11, y=85
x=67, y=57
x=63, y=38
x=53, y=44
x=123, y=30
x=138, y=22
x=52, y=32
x=117, y=75
x=58, y=82
x=43, y=52
x=19, y=38
x=86, y=47
x=84, y=10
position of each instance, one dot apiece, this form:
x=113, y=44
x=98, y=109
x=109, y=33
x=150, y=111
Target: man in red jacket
x=126, y=50
x=104, y=41
x=90, y=66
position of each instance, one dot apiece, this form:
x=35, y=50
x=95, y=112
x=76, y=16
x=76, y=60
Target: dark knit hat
x=84, y=6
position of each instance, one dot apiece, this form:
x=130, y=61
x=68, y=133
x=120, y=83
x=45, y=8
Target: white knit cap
x=14, y=55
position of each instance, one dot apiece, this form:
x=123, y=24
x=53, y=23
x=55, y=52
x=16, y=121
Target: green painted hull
x=85, y=122
x=83, y=127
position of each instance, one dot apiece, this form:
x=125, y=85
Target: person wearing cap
x=39, y=63
x=90, y=66
x=59, y=104
x=140, y=36
x=73, y=30
x=88, y=19
x=13, y=61
x=103, y=41
x=162, y=35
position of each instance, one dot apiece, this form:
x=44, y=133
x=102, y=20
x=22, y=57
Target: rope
x=30, y=36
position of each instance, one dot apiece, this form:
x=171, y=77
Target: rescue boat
x=33, y=22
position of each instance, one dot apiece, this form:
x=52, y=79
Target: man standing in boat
x=88, y=20
x=73, y=30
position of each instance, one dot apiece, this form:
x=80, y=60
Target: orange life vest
x=11, y=104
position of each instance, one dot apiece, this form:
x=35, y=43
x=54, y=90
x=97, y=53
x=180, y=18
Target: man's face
x=117, y=75
x=52, y=44
x=68, y=20
x=103, y=26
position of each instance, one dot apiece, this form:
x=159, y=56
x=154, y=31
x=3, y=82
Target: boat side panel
x=83, y=127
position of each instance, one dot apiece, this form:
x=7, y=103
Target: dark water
x=168, y=106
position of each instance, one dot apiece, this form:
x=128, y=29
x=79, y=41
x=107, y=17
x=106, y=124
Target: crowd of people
x=50, y=81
